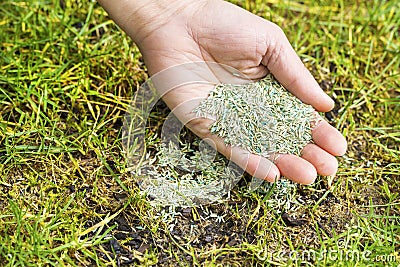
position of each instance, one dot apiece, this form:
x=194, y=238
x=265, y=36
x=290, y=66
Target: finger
x=329, y=138
x=296, y=169
x=286, y=66
x=255, y=165
x=324, y=163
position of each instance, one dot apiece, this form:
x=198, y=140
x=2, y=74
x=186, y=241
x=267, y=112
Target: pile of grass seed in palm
x=261, y=117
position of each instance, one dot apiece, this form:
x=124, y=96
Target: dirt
x=222, y=226
x=190, y=226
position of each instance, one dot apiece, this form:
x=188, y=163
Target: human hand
x=174, y=33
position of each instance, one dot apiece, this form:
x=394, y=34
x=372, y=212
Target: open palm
x=219, y=32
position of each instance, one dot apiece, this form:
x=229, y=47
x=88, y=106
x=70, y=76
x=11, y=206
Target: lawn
x=67, y=197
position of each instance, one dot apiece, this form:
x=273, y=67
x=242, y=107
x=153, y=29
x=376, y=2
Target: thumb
x=283, y=62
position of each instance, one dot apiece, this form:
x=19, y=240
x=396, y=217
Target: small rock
x=208, y=238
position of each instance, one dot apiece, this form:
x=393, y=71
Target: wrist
x=141, y=18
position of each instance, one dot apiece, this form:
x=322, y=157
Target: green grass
x=67, y=75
